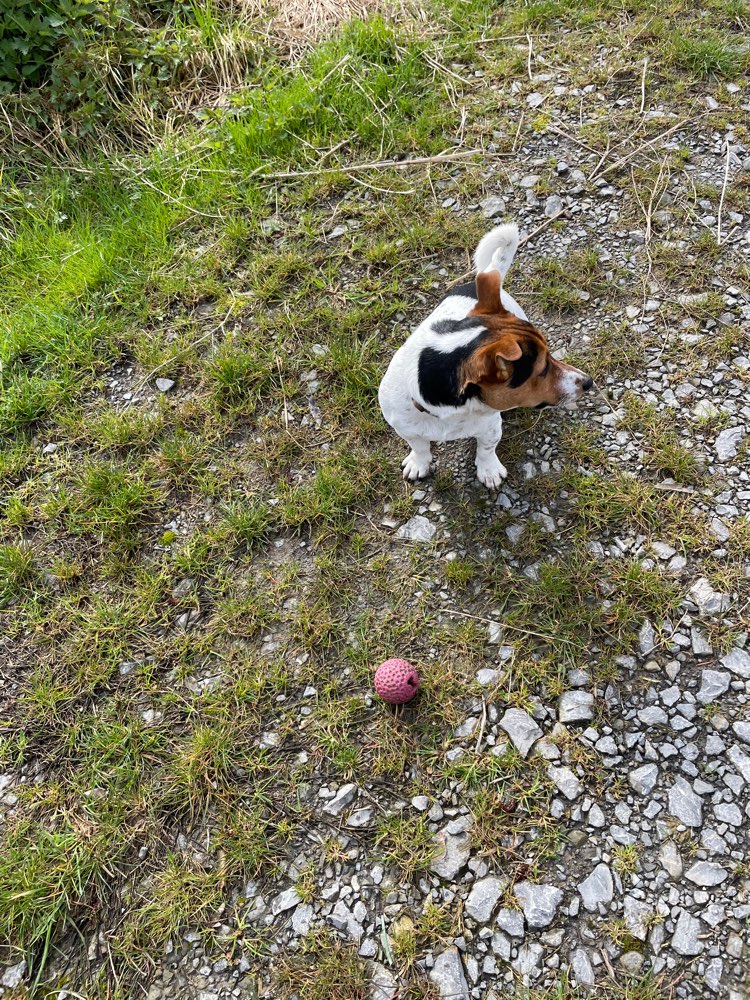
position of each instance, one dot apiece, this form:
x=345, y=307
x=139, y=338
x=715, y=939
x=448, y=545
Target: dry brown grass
x=297, y=24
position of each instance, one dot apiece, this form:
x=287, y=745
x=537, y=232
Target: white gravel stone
x=713, y=973
x=714, y=683
x=521, y=728
x=686, y=937
x=511, y=921
x=706, y=873
x=538, y=902
x=565, y=781
x=454, y=852
x=483, y=898
x=646, y=638
x=383, y=985
x=343, y=797
x=738, y=661
x=741, y=762
x=360, y=817
x=575, y=706
x=637, y=916
x=285, y=900
x=742, y=729
x=728, y=812
x=643, y=779
x=493, y=207
x=448, y=975
x=710, y=602
x=597, y=888
x=529, y=959
x=582, y=969
x=487, y=677
x=685, y=804
x=596, y=817
x=553, y=206
x=164, y=384
x=302, y=919
x=14, y=974
x=653, y=715
x=728, y=442
x=417, y=529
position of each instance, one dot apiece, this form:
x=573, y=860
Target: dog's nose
x=587, y=383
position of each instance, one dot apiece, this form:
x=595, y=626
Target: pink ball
x=396, y=681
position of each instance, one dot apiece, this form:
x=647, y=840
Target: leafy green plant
x=31, y=35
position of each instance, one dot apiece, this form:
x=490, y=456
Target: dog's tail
x=497, y=249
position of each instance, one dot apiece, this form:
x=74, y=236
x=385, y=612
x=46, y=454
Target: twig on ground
x=723, y=193
x=430, y=60
x=555, y=127
x=643, y=85
x=381, y=164
x=602, y=158
x=177, y=201
x=530, y=40
x=283, y=396
x=542, y=227
x=483, y=723
x=374, y=187
x=512, y=628
x=658, y=138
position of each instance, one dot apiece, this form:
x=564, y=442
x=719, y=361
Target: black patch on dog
x=456, y=325
x=523, y=368
x=468, y=288
x=439, y=374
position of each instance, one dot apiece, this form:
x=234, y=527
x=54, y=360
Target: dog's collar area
x=419, y=407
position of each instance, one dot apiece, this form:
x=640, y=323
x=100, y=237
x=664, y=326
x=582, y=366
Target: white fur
x=570, y=385
x=400, y=386
x=497, y=249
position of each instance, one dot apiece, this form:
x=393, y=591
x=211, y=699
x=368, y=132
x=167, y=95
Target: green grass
x=17, y=572
x=326, y=970
x=237, y=527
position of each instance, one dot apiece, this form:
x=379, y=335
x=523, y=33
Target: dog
x=474, y=357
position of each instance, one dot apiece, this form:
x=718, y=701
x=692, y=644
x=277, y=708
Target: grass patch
x=325, y=970
x=566, y=284
x=17, y=572
x=712, y=54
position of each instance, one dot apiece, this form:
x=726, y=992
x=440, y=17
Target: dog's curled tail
x=497, y=249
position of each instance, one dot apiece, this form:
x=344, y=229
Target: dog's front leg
x=490, y=470
x=417, y=463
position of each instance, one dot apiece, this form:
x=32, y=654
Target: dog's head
x=513, y=366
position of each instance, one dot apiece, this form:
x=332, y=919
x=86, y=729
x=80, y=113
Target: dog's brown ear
x=492, y=363
x=488, y=285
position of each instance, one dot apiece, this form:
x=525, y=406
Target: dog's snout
x=588, y=383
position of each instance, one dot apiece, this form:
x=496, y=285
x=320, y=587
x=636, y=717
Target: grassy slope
x=161, y=261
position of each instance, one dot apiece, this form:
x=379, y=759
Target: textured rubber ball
x=396, y=681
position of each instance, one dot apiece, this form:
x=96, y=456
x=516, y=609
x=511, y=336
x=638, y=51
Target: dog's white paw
x=414, y=468
x=491, y=473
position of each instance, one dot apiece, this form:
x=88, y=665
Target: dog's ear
x=492, y=363
x=488, y=285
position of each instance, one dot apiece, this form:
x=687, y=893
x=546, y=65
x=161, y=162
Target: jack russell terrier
x=474, y=356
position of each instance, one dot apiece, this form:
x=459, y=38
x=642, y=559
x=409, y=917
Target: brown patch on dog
x=488, y=285
x=514, y=366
